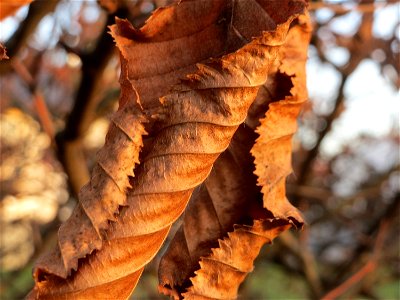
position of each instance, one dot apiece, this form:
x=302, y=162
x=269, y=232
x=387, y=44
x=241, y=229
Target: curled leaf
x=195, y=124
x=100, y=199
x=221, y=272
x=273, y=149
x=192, y=246
x=220, y=202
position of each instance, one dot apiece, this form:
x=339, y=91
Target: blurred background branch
x=37, y=10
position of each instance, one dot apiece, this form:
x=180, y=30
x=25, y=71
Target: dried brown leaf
x=222, y=272
x=194, y=239
x=196, y=122
x=228, y=196
x=100, y=199
x=223, y=200
x=273, y=148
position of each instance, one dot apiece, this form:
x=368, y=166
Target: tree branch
x=37, y=10
x=369, y=267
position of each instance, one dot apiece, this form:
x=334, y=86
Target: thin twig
x=357, y=277
x=305, y=169
x=369, y=267
x=37, y=10
x=390, y=213
x=43, y=114
x=360, y=49
x=301, y=250
x=39, y=103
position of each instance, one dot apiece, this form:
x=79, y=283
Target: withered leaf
x=221, y=273
x=273, y=142
x=273, y=149
x=101, y=198
x=195, y=123
x=220, y=202
x=194, y=239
